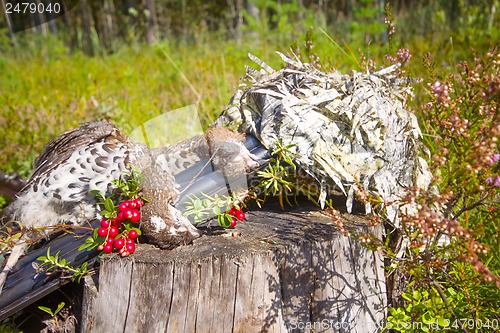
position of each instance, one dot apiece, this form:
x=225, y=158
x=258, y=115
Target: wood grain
x=285, y=272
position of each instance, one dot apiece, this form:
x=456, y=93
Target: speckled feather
x=76, y=162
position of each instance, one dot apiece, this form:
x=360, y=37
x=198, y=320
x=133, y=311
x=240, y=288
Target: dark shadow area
x=326, y=280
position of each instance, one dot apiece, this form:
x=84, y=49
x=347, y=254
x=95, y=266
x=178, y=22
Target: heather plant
x=442, y=258
x=451, y=261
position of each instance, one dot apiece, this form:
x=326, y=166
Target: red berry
x=119, y=243
x=232, y=211
x=117, y=222
x=121, y=216
x=105, y=223
x=130, y=248
x=130, y=241
x=233, y=222
x=110, y=240
x=102, y=232
x=127, y=214
x=240, y=215
x=132, y=204
x=113, y=232
x=108, y=248
x=100, y=247
x=123, y=206
x=136, y=216
x=133, y=234
x=139, y=202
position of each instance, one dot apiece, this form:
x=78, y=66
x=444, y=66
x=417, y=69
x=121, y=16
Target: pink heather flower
x=497, y=182
x=438, y=88
x=390, y=25
x=391, y=59
x=403, y=55
x=493, y=159
x=441, y=92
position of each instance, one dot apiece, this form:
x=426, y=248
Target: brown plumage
x=90, y=157
x=58, y=191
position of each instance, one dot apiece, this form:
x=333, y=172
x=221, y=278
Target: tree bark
x=290, y=272
x=87, y=44
x=151, y=34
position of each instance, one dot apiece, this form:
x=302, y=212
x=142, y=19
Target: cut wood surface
x=278, y=272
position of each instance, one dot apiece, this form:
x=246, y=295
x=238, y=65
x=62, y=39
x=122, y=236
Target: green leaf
x=59, y=308
x=224, y=220
x=428, y=318
x=407, y=297
x=84, y=266
x=89, y=244
x=197, y=204
x=109, y=205
x=98, y=195
x=41, y=258
x=84, y=246
x=46, y=309
x=80, y=272
x=443, y=322
x=207, y=202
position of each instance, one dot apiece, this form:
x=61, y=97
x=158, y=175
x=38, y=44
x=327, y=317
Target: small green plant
x=54, y=313
x=200, y=209
x=9, y=325
x=3, y=202
x=278, y=178
x=61, y=319
x=426, y=310
x=120, y=215
x=53, y=263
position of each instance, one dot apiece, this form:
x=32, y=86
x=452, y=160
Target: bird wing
x=61, y=148
x=76, y=162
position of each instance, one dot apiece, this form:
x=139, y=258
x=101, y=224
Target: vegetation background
x=128, y=61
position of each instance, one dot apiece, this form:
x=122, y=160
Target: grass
x=53, y=91
x=43, y=97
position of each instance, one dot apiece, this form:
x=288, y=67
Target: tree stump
x=284, y=272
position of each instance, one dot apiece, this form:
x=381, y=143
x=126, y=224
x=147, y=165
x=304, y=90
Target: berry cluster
x=118, y=232
x=236, y=214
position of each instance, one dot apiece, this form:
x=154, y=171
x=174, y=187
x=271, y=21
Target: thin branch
x=445, y=300
x=478, y=203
